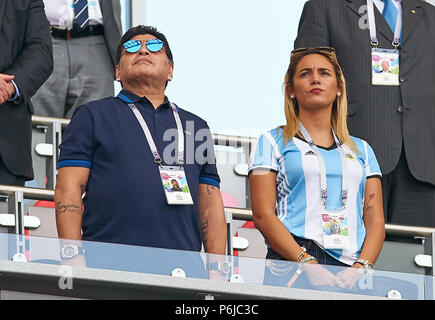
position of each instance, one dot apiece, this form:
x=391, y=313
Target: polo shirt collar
x=129, y=97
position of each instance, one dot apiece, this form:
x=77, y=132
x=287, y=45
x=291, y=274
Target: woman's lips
x=316, y=90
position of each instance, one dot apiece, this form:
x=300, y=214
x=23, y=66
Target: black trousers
x=406, y=200
x=8, y=178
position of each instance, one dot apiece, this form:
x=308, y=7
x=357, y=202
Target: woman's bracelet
x=308, y=259
x=299, y=270
x=301, y=255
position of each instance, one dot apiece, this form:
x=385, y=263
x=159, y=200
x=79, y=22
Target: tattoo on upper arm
x=204, y=231
x=368, y=203
x=210, y=189
x=67, y=208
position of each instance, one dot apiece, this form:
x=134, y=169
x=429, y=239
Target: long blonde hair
x=339, y=109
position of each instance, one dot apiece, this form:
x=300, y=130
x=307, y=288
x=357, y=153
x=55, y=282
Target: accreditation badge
x=175, y=185
x=335, y=229
x=94, y=10
x=385, y=67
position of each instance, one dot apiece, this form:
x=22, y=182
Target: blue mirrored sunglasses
x=153, y=45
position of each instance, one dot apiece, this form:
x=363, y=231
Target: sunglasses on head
x=326, y=49
x=153, y=45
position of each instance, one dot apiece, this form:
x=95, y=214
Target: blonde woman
x=315, y=190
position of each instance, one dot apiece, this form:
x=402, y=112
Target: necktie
x=81, y=15
x=390, y=13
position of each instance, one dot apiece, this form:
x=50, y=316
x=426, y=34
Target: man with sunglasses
x=123, y=152
x=393, y=111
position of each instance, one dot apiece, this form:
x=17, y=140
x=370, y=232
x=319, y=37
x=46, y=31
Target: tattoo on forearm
x=368, y=206
x=67, y=208
x=210, y=189
x=204, y=231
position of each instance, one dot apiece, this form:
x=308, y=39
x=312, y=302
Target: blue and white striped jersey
x=298, y=202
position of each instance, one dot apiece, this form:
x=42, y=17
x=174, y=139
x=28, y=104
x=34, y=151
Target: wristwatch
x=366, y=263
x=222, y=266
x=69, y=251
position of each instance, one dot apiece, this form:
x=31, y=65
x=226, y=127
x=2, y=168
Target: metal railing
x=28, y=193
x=46, y=121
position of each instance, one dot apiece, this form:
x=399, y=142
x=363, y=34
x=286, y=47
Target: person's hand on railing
x=218, y=267
x=318, y=275
x=78, y=261
x=349, y=276
x=72, y=253
x=216, y=275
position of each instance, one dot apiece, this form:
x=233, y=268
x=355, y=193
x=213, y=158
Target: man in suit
x=26, y=61
x=84, y=52
x=397, y=120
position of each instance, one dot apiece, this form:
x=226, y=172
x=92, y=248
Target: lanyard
x=372, y=24
x=323, y=183
x=146, y=131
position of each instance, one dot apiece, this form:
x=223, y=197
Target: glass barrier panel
x=233, y=269
x=335, y=279
x=430, y=288
x=107, y=256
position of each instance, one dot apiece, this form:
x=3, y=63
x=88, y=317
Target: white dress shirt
x=380, y=4
x=61, y=13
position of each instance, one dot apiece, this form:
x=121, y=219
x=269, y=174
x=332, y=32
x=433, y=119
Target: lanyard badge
x=385, y=62
x=335, y=225
x=175, y=185
x=385, y=67
x=94, y=10
x=335, y=228
x=173, y=178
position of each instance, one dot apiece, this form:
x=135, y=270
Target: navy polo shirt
x=125, y=201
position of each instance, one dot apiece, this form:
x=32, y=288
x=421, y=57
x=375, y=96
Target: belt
x=77, y=32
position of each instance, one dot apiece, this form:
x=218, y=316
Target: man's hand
x=216, y=275
x=7, y=89
x=78, y=261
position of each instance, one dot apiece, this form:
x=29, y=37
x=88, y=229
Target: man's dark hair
x=141, y=29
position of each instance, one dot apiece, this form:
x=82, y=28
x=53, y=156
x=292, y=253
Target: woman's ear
x=291, y=93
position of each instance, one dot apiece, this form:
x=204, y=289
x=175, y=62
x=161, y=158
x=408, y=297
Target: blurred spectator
x=85, y=36
x=118, y=150
x=26, y=61
x=395, y=118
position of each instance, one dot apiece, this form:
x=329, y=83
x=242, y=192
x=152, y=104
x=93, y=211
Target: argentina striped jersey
x=298, y=202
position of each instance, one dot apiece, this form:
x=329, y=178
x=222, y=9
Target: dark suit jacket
x=26, y=53
x=111, y=10
x=384, y=116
